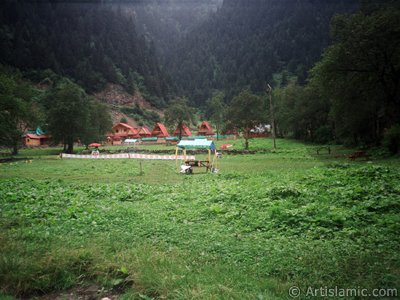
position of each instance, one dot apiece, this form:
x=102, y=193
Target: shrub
x=391, y=139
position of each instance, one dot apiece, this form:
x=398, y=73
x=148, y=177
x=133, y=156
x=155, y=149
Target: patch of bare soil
x=116, y=117
x=92, y=292
x=115, y=94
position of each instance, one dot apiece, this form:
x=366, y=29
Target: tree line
x=61, y=107
x=350, y=96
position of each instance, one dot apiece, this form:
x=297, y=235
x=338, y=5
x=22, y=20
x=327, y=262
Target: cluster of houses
x=123, y=132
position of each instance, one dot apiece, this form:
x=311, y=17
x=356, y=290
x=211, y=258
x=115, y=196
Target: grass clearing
x=266, y=222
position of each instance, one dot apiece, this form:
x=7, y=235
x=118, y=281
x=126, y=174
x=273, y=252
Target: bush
x=391, y=139
x=323, y=134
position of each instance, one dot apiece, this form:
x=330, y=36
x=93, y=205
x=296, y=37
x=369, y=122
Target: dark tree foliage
x=90, y=41
x=18, y=109
x=245, y=111
x=360, y=75
x=178, y=113
x=301, y=112
x=98, y=123
x=217, y=111
x=68, y=116
x=245, y=43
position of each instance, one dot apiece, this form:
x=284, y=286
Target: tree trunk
x=70, y=148
x=180, y=130
x=15, y=148
x=246, y=135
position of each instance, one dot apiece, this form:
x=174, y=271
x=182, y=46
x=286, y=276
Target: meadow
x=266, y=222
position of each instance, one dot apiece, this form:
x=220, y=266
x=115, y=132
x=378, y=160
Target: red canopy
x=94, y=145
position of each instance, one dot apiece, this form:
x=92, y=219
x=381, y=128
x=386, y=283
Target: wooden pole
x=176, y=157
x=141, y=169
x=271, y=108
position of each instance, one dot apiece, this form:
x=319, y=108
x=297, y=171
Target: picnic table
x=198, y=163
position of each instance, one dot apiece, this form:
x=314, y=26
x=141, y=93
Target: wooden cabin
x=185, y=131
x=120, y=132
x=144, y=132
x=34, y=140
x=205, y=129
x=160, y=131
x=125, y=131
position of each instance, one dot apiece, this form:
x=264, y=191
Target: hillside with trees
x=353, y=92
x=92, y=42
x=324, y=61
x=244, y=46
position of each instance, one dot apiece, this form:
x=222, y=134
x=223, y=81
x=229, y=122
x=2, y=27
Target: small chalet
x=33, y=139
x=185, y=131
x=160, y=131
x=36, y=137
x=205, y=129
x=122, y=131
x=144, y=132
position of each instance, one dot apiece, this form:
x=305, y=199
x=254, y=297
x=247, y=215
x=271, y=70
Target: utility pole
x=271, y=108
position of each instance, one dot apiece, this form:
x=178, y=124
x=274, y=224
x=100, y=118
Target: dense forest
x=244, y=45
x=93, y=43
x=333, y=67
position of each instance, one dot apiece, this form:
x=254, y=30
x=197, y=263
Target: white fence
x=128, y=155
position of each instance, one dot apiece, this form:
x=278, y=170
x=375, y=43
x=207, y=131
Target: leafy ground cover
x=264, y=223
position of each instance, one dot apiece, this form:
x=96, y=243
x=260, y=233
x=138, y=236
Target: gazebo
x=184, y=145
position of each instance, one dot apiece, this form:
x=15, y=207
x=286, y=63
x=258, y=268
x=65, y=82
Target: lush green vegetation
x=266, y=222
x=89, y=41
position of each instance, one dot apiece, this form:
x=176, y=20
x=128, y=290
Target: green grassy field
x=264, y=223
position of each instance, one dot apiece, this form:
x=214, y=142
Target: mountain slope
x=93, y=43
x=246, y=42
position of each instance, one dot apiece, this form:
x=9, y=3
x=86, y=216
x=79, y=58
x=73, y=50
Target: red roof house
x=160, y=131
x=125, y=131
x=205, y=129
x=144, y=131
x=185, y=131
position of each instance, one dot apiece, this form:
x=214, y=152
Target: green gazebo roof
x=196, y=144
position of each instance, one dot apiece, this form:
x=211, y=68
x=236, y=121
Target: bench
x=322, y=148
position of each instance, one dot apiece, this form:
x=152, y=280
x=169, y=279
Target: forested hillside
x=91, y=42
x=325, y=60
x=244, y=45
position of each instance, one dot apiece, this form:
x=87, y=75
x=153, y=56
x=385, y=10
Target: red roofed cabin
x=160, y=131
x=185, y=131
x=144, y=132
x=122, y=131
x=205, y=129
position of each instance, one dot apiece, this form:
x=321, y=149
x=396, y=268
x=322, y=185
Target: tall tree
x=99, y=122
x=218, y=110
x=303, y=113
x=68, y=115
x=178, y=113
x=18, y=112
x=245, y=112
x=360, y=74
